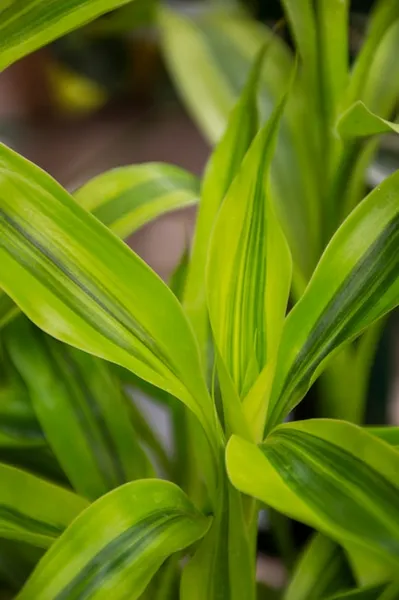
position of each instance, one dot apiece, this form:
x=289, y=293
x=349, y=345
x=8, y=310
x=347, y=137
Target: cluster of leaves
x=279, y=217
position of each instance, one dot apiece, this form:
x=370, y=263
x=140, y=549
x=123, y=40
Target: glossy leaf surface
x=117, y=544
x=210, y=58
x=76, y=398
x=221, y=169
x=27, y=25
x=329, y=474
x=354, y=284
x=32, y=510
x=79, y=283
x=249, y=267
x=359, y=121
x=222, y=566
x=126, y=198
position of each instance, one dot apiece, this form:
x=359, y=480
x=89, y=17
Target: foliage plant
x=92, y=506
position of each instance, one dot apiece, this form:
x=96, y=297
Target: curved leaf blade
x=359, y=121
x=321, y=571
x=33, y=510
x=126, y=198
x=72, y=277
x=76, y=398
x=222, y=46
x=248, y=251
x=221, y=169
x=222, y=565
x=19, y=427
x=330, y=474
x=28, y=25
x=364, y=593
x=118, y=544
x=355, y=283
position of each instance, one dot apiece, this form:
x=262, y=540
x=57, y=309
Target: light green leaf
x=355, y=283
x=386, y=13
x=248, y=252
x=220, y=172
x=322, y=570
x=33, y=510
x=79, y=283
x=332, y=26
x=210, y=59
x=76, y=398
x=19, y=427
x=359, y=121
x=329, y=474
x=117, y=544
x=222, y=567
x=28, y=25
x=126, y=198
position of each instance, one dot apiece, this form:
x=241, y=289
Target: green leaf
x=32, y=510
x=388, y=434
x=209, y=59
x=220, y=172
x=78, y=282
x=329, y=474
x=355, y=283
x=222, y=567
x=248, y=252
x=386, y=13
x=321, y=570
x=117, y=544
x=359, y=121
x=76, y=398
x=391, y=592
x=7, y=309
x=126, y=198
x=18, y=423
x=364, y=593
x=28, y=25
x=17, y=561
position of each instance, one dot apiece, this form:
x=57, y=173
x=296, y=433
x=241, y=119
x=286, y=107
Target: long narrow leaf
x=210, y=58
x=32, y=510
x=364, y=593
x=76, y=398
x=118, y=544
x=27, y=25
x=359, y=121
x=329, y=474
x=220, y=172
x=354, y=284
x=79, y=283
x=248, y=252
x=222, y=566
x=127, y=198
x=19, y=426
x=385, y=14
x=321, y=571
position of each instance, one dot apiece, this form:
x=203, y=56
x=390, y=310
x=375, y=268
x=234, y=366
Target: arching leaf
x=118, y=544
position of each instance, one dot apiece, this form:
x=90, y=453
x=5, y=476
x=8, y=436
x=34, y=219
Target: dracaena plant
x=82, y=512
